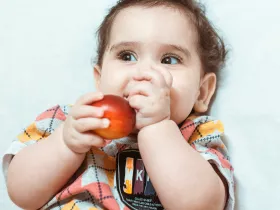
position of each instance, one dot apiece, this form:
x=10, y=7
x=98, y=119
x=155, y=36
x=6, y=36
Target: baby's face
x=149, y=39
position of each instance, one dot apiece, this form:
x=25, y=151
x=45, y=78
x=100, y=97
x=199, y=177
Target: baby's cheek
x=181, y=107
x=109, y=87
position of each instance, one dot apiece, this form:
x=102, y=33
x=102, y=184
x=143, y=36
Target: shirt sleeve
x=204, y=134
x=41, y=128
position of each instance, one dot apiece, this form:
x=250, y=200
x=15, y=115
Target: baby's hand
x=148, y=93
x=81, y=121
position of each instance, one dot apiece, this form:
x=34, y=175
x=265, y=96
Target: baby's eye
x=171, y=60
x=127, y=56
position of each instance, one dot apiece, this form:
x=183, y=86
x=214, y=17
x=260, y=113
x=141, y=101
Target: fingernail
x=106, y=123
x=100, y=112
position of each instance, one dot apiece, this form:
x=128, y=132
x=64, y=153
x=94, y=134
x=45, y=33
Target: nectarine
x=122, y=117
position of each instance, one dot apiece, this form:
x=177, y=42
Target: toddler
x=164, y=58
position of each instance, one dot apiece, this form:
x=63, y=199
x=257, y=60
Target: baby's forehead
x=168, y=11
x=161, y=24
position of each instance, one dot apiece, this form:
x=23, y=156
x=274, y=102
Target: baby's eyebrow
x=163, y=46
x=124, y=44
x=178, y=48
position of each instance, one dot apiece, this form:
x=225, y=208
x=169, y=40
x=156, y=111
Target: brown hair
x=211, y=47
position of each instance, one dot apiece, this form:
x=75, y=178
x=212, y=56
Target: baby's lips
x=128, y=96
x=125, y=97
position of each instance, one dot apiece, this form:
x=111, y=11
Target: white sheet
x=249, y=102
x=46, y=48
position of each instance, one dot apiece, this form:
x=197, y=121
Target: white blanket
x=46, y=48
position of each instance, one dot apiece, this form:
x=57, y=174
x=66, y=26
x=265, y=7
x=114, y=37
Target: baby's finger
x=128, y=87
x=84, y=140
x=138, y=101
x=144, y=88
x=85, y=111
x=89, y=124
x=146, y=106
x=155, y=77
x=94, y=140
x=89, y=98
x=166, y=75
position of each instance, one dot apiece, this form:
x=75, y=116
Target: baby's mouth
x=126, y=96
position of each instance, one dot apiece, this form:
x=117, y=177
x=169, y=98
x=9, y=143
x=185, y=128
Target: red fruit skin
x=122, y=117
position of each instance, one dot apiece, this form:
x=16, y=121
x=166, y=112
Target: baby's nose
x=146, y=65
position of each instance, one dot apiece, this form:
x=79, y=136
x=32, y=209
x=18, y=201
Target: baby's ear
x=206, y=91
x=97, y=76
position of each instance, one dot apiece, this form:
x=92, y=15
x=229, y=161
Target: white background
x=46, y=49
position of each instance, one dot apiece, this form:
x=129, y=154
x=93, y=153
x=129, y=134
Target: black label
x=133, y=182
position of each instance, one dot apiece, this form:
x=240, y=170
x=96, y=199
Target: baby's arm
x=181, y=176
x=40, y=170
